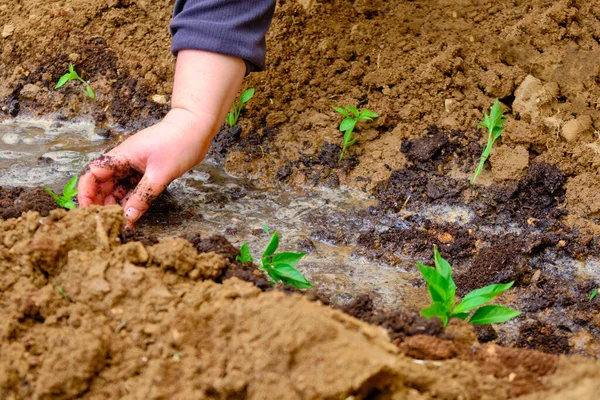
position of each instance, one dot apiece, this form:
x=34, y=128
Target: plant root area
x=90, y=311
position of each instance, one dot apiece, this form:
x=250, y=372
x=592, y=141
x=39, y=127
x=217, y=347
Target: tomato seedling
x=280, y=267
x=234, y=115
x=351, y=117
x=494, y=122
x=442, y=290
x=73, y=76
x=69, y=191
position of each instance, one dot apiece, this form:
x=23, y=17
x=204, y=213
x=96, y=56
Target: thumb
x=151, y=185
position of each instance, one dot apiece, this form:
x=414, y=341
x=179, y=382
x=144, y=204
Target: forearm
x=205, y=87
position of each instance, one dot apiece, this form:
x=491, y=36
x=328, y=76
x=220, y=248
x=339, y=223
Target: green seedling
x=351, y=118
x=593, y=294
x=494, y=122
x=280, y=267
x=69, y=191
x=73, y=76
x=234, y=115
x=442, y=290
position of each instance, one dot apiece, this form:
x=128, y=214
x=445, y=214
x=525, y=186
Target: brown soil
x=148, y=319
x=15, y=201
x=85, y=316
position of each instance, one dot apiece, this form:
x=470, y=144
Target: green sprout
x=69, y=191
x=234, y=115
x=494, y=122
x=593, y=294
x=73, y=76
x=351, y=118
x=442, y=289
x=280, y=266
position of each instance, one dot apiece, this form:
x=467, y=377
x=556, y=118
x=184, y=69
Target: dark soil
x=15, y=201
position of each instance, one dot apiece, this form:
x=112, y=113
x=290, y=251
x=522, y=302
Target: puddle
x=34, y=153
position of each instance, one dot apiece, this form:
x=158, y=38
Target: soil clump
x=84, y=315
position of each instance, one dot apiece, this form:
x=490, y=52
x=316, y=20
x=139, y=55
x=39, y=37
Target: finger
x=110, y=200
x=89, y=190
x=152, y=184
x=100, y=179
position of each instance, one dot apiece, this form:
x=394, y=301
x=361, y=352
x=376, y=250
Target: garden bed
x=86, y=310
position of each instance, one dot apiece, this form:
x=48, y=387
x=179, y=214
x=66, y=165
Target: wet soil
x=16, y=201
x=84, y=315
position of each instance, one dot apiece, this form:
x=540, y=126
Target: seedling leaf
x=247, y=95
x=70, y=188
x=351, y=117
x=245, y=254
x=481, y=296
x=354, y=111
x=348, y=125
x=436, y=310
x=593, y=294
x=290, y=259
x=342, y=111
x=435, y=283
x=442, y=290
x=493, y=314
x=69, y=191
x=54, y=195
x=232, y=117
x=272, y=246
x=63, y=79
x=368, y=114
x=494, y=122
x=291, y=276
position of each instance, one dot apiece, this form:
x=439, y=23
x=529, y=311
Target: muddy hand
x=134, y=173
x=139, y=169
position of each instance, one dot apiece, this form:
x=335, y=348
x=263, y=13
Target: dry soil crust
x=85, y=316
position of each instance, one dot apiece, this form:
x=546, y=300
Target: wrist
x=201, y=125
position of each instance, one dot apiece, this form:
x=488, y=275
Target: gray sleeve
x=231, y=27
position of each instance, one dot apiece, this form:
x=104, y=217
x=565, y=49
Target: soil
x=86, y=316
x=90, y=311
x=15, y=201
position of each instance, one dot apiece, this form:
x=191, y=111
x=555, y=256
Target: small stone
x=8, y=30
x=74, y=57
x=30, y=91
x=160, y=99
x=574, y=128
x=562, y=243
x=449, y=105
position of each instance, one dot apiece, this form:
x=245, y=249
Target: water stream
x=34, y=153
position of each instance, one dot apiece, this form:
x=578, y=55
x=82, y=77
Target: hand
x=134, y=173
x=139, y=169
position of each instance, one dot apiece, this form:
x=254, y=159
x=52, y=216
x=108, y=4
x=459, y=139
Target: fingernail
x=132, y=214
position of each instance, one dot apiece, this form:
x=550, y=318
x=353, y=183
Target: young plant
x=494, y=122
x=73, y=76
x=69, y=191
x=351, y=118
x=280, y=267
x=442, y=289
x=593, y=294
x=234, y=115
